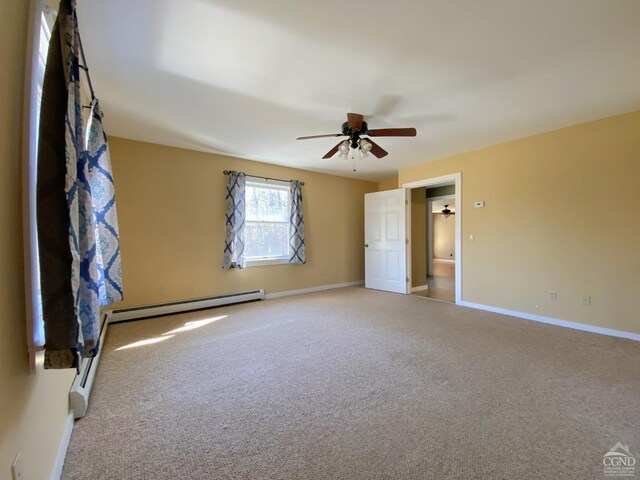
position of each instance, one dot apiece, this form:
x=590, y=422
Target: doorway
x=441, y=206
x=435, y=260
x=433, y=242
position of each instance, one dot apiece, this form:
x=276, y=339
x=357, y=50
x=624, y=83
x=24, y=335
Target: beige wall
x=442, y=268
x=561, y=214
x=444, y=237
x=171, y=212
x=33, y=407
x=418, y=237
x=390, y=183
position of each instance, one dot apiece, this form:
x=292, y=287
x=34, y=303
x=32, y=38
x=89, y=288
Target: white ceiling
x=246, y=77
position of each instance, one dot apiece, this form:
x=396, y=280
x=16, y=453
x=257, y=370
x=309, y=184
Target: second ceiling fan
x=355, y=127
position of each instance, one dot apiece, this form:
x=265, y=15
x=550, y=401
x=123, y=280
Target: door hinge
x=406, y=240
x=407, y=279
x=406, y=202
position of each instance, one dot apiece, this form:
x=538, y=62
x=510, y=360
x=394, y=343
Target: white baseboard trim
x=554, y=321
x=419, y=288
x=62, y=448
x=288, y=293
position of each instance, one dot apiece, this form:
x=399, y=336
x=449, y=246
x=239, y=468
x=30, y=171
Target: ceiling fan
x=446, y=211
x=354, y=128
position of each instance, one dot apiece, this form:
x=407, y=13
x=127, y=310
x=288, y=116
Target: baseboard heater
x=81, y=387
x=134, y=313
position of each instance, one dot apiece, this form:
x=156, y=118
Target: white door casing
x=456, y=179
x=385, y=256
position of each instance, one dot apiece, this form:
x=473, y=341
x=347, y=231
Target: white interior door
x=385, y=238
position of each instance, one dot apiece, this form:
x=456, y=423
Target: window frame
x=259, y=182
x=41, y=18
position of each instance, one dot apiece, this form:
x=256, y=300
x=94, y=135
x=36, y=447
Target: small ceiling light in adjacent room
x=446, y=212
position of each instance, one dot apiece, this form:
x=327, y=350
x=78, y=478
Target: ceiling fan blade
x=376, y=149
x=354, y=120
x=332, y=152
x=392, y=132
x=320, y=136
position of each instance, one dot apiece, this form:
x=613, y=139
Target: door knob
x=366, y=245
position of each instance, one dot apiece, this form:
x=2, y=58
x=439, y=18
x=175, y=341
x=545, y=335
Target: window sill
x=261, y=262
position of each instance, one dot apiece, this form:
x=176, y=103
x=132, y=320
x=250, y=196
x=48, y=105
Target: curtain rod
x=226, y=172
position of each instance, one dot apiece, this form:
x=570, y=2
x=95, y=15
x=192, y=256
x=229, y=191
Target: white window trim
x=280, y=185
x=262, y=262
x=266, y=181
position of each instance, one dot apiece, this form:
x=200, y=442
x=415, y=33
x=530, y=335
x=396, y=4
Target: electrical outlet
x=586, y=300
x=553, y=295
x=16, y=469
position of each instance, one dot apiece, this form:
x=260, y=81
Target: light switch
x=472, y=237
x=479, y=204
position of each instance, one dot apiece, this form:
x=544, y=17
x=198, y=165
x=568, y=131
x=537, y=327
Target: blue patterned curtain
x=77, y=222
x=99, y=180
x=296, y=241
x=234, y=233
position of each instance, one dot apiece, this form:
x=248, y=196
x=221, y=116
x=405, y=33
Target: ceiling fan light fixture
x=446, y=212
x=343, y=150
x=365, y=148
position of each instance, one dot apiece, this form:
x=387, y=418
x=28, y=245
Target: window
x=267, y=224
x=42, y=20
x=43, y=48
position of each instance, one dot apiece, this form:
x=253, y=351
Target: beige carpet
x=356, y=384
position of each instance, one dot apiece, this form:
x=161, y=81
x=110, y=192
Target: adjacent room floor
x=439, y=288
x=355, y=384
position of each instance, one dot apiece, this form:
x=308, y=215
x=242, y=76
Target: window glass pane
x=266, y=204
x=266, y=239
x=44, y=38
x=36, y=298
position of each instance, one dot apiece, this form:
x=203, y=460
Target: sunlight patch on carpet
x=195, y=324
x=142, y=343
